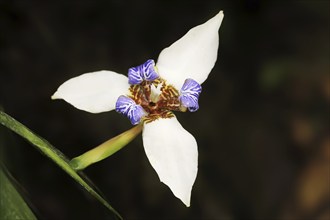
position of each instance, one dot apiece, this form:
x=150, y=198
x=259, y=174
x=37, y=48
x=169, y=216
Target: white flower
x=150, y=94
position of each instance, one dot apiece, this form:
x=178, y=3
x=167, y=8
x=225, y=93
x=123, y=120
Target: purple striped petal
x=134, y=76
x=145, y=71
x=130, y=109
x=149, y=72
x=189, y=94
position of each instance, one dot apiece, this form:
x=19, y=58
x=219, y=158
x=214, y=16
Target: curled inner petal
x=149, y=71
x=189, y=94
x=134, y=76
x=146, y=71
x=130, y=109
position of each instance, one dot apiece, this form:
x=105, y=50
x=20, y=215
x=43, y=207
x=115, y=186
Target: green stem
x=106, y=149
x=52, y=153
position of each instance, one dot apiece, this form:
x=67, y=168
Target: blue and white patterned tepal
x=146, y=71
x=189, y=94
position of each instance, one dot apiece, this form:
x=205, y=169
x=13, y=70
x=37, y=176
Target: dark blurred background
x=262, y=128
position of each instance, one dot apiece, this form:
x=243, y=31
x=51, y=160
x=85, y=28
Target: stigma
x=155, y=92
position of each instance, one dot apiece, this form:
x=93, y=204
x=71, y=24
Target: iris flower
x=148, y=97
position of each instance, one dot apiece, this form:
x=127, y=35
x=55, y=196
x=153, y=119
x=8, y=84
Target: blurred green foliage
x=12, y=204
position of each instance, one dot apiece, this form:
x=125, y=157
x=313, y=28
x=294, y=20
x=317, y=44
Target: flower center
x=156, y=98
x=152, y=98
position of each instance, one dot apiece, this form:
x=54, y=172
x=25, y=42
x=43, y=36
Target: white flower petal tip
x=172, y=152
x=192, y=56
x=93, y=92
x=55, y=96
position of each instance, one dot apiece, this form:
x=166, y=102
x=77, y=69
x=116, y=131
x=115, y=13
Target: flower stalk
x=105, y=149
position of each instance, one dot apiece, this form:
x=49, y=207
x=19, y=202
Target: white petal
x=93, y=92
x=172, y=152
x=192, y=56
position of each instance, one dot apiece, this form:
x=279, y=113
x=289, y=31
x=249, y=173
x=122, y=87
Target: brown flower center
x=157, y=98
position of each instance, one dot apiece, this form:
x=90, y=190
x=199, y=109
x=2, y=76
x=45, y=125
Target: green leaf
x=54, y=154
x=12, y=205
